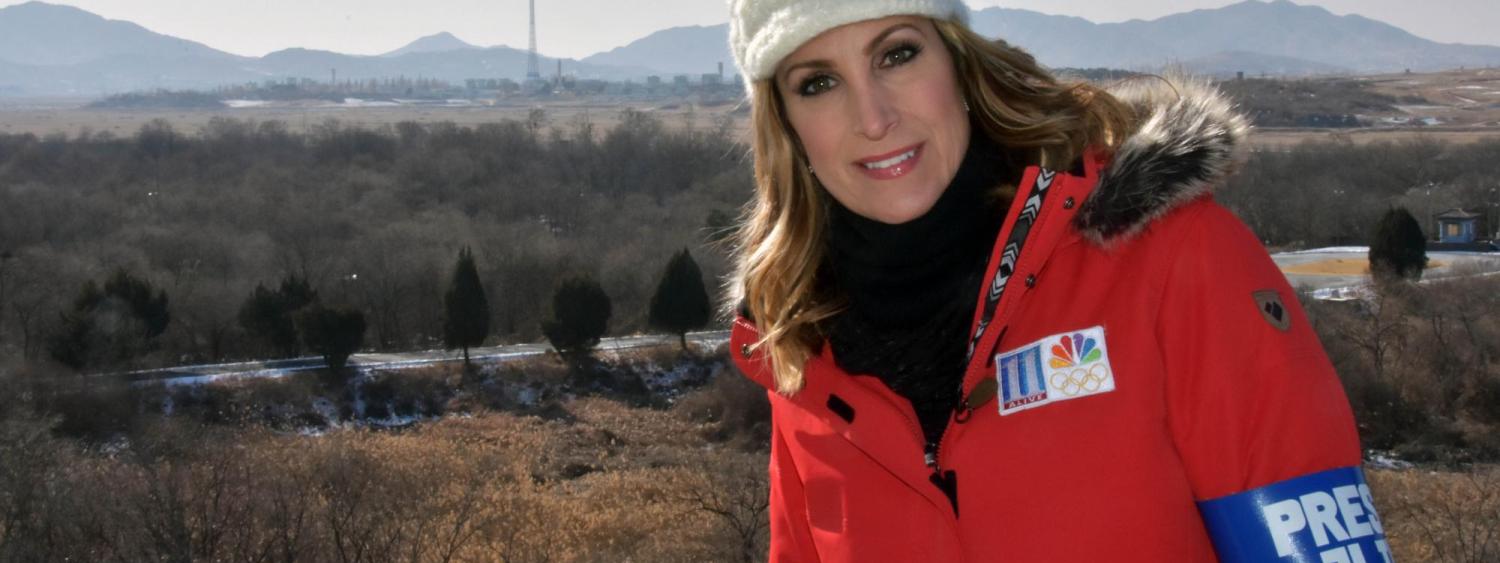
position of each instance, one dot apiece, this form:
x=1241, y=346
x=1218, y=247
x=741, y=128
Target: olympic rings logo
x=1080, y=381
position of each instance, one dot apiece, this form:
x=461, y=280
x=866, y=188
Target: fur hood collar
x=1189, y=140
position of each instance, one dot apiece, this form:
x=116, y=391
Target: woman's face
x=877, y=107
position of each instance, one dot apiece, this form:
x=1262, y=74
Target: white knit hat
x=762, y=32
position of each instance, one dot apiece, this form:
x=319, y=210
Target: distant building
x=1457, y=226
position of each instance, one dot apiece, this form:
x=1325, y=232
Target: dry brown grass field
x=1341, y=267
x=579, y=479
x=595, y=481
x=1283, y=138
x=68, y=117
x=1464, y=97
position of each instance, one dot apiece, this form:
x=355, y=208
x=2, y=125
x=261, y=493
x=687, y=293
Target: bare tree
x=733, y=490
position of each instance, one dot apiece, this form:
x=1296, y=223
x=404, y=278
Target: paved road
x=277, y=368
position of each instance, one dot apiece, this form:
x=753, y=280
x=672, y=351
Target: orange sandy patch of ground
x=1340, y=267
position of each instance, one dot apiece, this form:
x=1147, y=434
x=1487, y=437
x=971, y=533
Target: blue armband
x=1324, y=517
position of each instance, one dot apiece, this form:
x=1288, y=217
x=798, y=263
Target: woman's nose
x=874, y=110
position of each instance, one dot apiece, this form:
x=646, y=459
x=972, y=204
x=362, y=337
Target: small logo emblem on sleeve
x=1268, y=301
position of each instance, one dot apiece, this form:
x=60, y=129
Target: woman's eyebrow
x=869, y=49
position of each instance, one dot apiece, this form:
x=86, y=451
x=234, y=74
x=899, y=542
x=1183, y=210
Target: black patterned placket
x=1012, y=252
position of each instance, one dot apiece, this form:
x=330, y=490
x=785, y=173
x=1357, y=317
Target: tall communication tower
x=533, y=69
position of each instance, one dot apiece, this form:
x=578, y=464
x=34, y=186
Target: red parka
x=1146, y=389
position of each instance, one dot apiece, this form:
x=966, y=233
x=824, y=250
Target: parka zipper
x=946, y=481
x=967, y=403
x=929, y=457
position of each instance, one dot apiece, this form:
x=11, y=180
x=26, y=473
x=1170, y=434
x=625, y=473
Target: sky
x=578, y=28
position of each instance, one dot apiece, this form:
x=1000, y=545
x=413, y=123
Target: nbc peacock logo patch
x=1074, y=346
x=1077, y=365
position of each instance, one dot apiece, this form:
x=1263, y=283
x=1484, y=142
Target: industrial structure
x=533, y=68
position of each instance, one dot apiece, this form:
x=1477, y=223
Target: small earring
x=966, y=105
x=810, y=170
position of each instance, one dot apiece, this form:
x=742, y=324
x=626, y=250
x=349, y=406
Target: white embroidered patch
x=1056, y=368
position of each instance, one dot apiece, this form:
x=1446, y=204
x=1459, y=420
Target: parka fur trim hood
x=1189, y=139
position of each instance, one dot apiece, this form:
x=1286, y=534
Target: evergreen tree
x=112, y=324
x=466, y=319
x=147, y=304
x=75, y=341
x=681, y=302
x=580, y=315
x=335, y=333
x=1399, y=249
x=268, y=314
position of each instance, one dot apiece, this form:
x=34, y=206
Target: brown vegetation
x=1441, y=516
x=1334, y=192
x=229, y=477
x=1317, y=103
x=592, y=480
x=1420, y=365
x=596, y=480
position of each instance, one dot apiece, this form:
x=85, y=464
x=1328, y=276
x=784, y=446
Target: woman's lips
x=894, y=164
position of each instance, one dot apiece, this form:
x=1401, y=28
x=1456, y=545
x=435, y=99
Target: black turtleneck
x=910, y=288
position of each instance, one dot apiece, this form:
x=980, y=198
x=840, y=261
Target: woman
x=1002, y=319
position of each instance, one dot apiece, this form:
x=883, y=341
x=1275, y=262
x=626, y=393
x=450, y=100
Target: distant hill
x=1065, y=41
x=47, y=49
x=691, y=50
x=1284, y=29
x=435, y=43
x=56, y=49
x=41, y=34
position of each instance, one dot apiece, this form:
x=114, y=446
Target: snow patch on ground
x=1385, y=460
x=241, y=104
x=1349, y=293
x=392, y=420
x=327, y=409
x=205, y=379
x=527, y=396
x=1331, y=249
x=672, y=381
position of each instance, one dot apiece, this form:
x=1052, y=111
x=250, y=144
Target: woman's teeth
x=892, y=161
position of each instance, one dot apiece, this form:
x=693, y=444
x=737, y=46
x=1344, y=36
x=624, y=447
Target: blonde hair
x=1036, y=119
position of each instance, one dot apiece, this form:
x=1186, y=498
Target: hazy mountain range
x=1279, y=36
x=48, y=49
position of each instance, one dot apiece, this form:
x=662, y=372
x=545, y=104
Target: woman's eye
x=816, y=84
x=900, y=55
